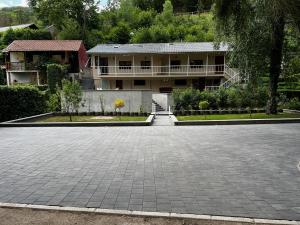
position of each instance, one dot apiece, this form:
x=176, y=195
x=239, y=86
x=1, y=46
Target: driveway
x=247, y=171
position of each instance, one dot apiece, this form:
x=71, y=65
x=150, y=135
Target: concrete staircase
x=157, y=107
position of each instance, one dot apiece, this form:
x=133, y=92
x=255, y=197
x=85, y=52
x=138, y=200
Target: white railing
x=232, y=76
x=187, y=70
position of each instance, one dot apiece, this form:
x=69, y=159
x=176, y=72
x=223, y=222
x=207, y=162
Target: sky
x=9, y=3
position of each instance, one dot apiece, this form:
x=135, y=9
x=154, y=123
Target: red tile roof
x=43, y=45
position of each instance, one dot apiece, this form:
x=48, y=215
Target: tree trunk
x=275, y=63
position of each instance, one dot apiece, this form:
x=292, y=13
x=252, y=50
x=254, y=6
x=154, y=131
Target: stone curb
x=235, y=122
x=215, y=219
x=30, y=118
x=78, y=124
x=15, y=123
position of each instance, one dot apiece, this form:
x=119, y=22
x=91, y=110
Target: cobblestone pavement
x=248, y=171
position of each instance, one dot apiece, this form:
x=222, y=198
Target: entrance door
x=119, y=84
x=104, y=65
x=219, y=62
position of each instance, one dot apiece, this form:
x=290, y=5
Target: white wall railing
x=187, y=70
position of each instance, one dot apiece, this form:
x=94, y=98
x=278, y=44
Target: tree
x=256, y=31
x=55, y=75
x=81, y=12
x=71, y=94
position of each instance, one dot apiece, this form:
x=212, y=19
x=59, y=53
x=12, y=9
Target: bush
x=186, y=98
x=21, y=101
x=55, y=74
x=294, y=104
x=119, y=103
x=203, y=105
x=54, y=102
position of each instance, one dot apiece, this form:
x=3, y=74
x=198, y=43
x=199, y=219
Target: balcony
x=160, y=71
x=21, y=66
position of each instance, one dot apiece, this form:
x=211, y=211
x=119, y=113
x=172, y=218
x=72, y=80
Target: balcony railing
x=21, y=66
x=172, y=70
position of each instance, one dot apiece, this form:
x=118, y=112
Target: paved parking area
x=248, y=171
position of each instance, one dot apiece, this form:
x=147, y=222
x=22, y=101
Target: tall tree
x=256, y=31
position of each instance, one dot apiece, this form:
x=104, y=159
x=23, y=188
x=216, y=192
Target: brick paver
x=248, y=171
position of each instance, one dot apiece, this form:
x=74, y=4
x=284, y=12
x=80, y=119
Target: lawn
x=93, y=119
x=238, y=116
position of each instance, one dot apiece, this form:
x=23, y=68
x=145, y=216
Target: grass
x=238, y=116
x=92, y=119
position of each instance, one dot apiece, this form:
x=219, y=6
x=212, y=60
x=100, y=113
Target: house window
x=196, y=63
x=175, y=64
x=139, y=82
x=180, y=82
x=145, y=65
x=125, y=65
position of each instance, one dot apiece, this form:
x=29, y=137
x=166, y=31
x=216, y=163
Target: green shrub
x=21, y=101
x=55, y=74
x=203, y=105
x=186, y=98
x=54, y=102
x=294, y=104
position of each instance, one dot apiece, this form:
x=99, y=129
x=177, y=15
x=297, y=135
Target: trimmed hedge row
x=21, y=101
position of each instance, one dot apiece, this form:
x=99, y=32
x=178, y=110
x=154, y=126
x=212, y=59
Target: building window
x=139, y=82
x=145, y=65
x=125, y=65
x=180, y=82
x=175, y=64
x=196, y=63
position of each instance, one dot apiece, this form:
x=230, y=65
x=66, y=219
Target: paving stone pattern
x=247, y=171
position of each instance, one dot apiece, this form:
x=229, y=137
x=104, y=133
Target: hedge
x=21, y=101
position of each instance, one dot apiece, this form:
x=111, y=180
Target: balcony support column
x=38, y=78
x=152, y=65
x=133, y=65
x=8, y=78
x=169, y=65
x=115, y=65
x=206, y=64
x=188, y=65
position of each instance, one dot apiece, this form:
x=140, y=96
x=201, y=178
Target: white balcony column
x=8, y=78
x=115, y=65
x=152, y=65
x=206, y=64
x=38, y=78
x=169, y=65
x=188, y=65
x=133, y=65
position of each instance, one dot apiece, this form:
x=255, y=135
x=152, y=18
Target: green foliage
x=71, y=96
x=76, y=19
x=24, y=34
x=55, y=74
x=186, y=98
x=2, y=77
x=54, y=102
x=10, y=16
x=21, y=101
x=234, y=97
x=203, y=105
x=293, y=104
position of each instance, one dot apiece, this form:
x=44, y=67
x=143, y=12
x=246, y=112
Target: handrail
x=160, y=70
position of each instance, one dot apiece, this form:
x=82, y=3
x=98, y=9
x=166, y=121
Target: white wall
x=134, y=100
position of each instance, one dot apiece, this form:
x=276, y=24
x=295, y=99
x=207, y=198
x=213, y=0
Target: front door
x=104, y=65
x=119, y=84
x=219, y=62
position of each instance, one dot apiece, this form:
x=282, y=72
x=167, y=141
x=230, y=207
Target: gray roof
x=157, y=48
x=21, y=26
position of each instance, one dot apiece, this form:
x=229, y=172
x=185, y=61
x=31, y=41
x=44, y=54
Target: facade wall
x=23, y=78
x=134, y=100
x=17, y=57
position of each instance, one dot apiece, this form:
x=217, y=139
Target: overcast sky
x=9, y=3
